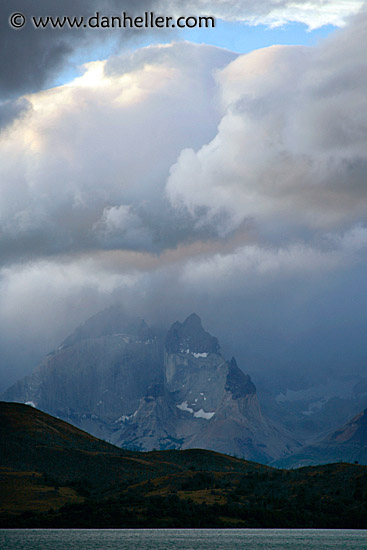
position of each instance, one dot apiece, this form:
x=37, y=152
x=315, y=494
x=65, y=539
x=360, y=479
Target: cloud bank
x=314, y=13
x=186, y=178
x=30, y=58
x=291, y=146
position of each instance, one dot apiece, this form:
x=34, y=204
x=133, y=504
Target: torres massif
x=141, y=389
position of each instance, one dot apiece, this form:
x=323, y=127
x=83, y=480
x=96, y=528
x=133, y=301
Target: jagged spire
x=190, y=335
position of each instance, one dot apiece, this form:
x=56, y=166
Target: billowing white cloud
x=314, y=13
x=120, y=224
x=291, y=149
x=86, y=166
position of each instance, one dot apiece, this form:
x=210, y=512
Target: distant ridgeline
x=124, y=382
x=348, y=444
x=55, y=476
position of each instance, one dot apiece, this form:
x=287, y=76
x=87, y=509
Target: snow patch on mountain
x=126, y=417
x=202, y=414
x=184, y=407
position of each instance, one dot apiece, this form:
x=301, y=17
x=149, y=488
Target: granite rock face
x=123, y=382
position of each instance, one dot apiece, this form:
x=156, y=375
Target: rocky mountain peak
x=238, y=383
x=111, y=321
x=190, y=335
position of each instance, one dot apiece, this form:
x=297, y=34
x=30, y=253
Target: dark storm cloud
x=30, y=58
x=12, y=110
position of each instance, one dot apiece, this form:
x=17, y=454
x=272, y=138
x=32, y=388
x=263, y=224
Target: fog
x=184, y=178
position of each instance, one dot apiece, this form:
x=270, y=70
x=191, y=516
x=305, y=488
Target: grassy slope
x=54, y=475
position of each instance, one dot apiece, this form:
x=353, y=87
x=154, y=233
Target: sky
x=220, y=171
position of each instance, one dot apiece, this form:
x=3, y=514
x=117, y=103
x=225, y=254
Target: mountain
x=204, y=401
x=139, y=389
x=311, y=406
x=347, y=444
x=97, y=375
x=55, y=476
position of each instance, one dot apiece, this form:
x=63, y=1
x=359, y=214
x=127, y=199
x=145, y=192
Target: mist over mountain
x=178, y=177
x=139, y=388
x=250, y=198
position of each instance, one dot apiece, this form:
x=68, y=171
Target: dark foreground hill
x=54, y=475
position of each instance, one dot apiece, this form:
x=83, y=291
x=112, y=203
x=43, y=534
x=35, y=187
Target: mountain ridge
x=346, y=444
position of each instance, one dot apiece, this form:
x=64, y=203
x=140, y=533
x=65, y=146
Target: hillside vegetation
x=55, y=475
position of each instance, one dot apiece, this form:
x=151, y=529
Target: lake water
x=183, y=539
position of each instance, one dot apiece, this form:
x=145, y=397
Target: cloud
x=86, y=166
x=10, y=111
x=291, y=148
x=115, y=159
x=314, y=13
x=32, y=58
x=256, y=299
x=186, y=178
x=120, y=224
x=257, y=264
x=354, y=240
